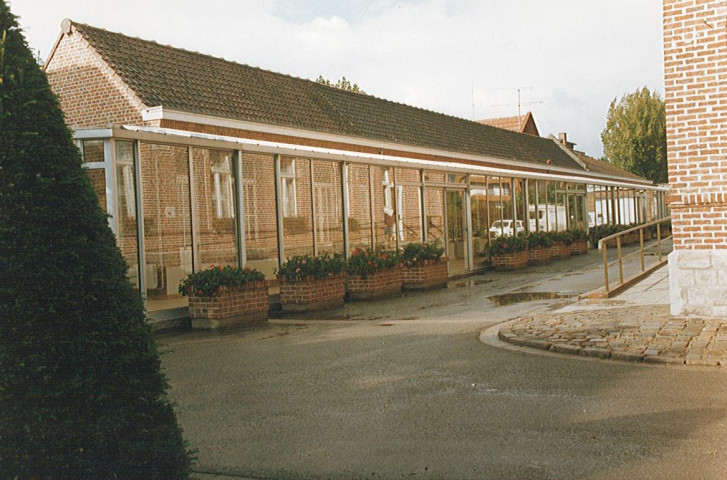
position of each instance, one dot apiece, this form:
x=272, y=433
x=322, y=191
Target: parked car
x=504, y=227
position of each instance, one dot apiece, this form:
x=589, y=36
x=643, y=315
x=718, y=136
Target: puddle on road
x=522, y=297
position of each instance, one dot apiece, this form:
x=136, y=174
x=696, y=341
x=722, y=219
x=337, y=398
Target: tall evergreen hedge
x=81, y=392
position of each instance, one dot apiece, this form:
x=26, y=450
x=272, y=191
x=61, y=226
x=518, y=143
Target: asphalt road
x=403, y=388
x=404, y=397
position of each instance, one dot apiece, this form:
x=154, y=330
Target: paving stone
x=641, y=333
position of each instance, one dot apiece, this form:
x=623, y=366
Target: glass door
x=456, y=234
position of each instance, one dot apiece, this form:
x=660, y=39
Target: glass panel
x=261, y=227
x=544, y=206
x=93, y=151
x=456, y=248
x=478, y=180
x=561, y=220
x=435, y=214
x=458, y=178
x=480, y=224
x=434, y=177
x=167, y=223
x=508, y=206
x=581, y=211
x=533, y=224
x=495, y=207
x=520, y=207
x=127, y=233
x=359, y=206
x=297, y=209
x=328, y=206
x=98, y=182
x=409, y=198
x=214, y=184
x=384, y=207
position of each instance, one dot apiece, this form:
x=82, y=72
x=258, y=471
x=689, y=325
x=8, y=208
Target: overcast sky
x=468, y=58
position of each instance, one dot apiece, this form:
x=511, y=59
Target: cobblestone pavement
x=635, y=326
x=629, y=333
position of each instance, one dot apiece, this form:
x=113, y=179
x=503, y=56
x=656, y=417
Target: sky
x=564, y=60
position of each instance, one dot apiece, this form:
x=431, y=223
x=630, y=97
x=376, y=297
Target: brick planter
x=425, y=275
x=382, y=283
x=230, y=307
x=510, y=261
x=559, y=250
x=313, y=294
x=538, y=255
x=579, y=247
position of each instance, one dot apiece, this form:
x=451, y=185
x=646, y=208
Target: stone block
x=693, y=259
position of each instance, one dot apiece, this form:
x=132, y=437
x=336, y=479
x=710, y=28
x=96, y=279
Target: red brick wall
x=90, y=94
x=312, y=294
x=377, y=284
x=695, y=65
x=251, y=298
x=428, y=274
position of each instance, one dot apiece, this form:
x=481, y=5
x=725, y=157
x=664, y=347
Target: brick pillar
x=695, y=68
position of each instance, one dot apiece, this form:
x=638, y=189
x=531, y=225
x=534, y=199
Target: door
x=456, y=241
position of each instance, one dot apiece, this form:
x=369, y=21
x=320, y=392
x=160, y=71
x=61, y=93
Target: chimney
x=563, y=137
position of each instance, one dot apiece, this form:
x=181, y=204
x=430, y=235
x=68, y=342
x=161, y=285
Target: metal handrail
x=603, y=246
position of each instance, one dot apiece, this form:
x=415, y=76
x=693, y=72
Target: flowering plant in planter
x=505, y=244
x=539, y=239
x=579, y=234
x=208, y=282
x=304, y=266
x=365, y=261
x=414, y=253
x=565, y=237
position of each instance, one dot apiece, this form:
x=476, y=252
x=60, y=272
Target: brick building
x=695, y=65
x=202, y=161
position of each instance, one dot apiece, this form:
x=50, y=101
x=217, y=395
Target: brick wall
x=313, y=294
x=695, y=63
x=90, y=94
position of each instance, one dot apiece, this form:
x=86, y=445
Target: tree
x=635, y=135
x=343, y=84
x=81, y=390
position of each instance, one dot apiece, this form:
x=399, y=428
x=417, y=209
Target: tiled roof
x=508, y=123
x=192, y=82
x=522, y=124
x=605, y=168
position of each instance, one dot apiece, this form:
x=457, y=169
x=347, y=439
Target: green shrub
x=82, y=395
x=539, y=239
x=207, y=282
x=579, y=234
x=601, y=231
x=364, y=261
x=414, y=253
x=304, y=266
x=508, y=244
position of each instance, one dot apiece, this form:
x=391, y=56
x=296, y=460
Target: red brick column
x=695, y=68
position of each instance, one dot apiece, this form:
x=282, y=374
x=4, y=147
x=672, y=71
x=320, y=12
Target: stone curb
x=645, y=334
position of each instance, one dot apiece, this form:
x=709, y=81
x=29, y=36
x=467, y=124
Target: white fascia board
x=169, y=135
x=161, y=113
x=93, y=133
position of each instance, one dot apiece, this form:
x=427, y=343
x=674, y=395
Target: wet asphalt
x=403, y=388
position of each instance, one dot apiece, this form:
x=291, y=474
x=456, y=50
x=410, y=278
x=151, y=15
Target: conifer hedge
x=81, y=391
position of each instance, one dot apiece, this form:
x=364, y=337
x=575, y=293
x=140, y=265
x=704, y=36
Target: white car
x=504, y=227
